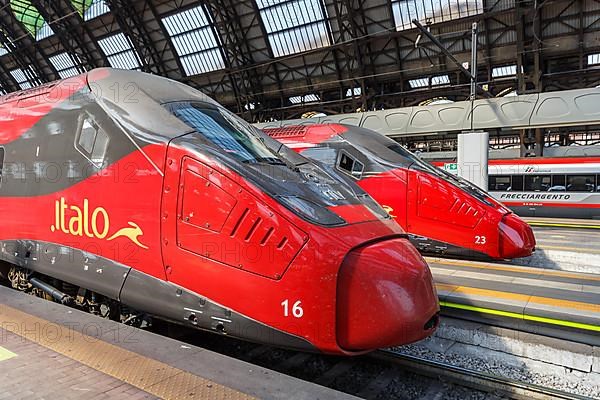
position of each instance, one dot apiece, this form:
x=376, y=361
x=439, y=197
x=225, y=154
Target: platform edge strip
x=526, y=317
x=171, y=378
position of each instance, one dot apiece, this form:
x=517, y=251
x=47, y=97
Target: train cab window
x=558, y=183
x=581, y=183
x=499, y=183
x=229, y=133
x=537, y=183
x=92, y=141
x=517, y=183
x=350, y=165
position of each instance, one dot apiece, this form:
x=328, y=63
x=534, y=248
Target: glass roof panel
x=503, y=71
x=91, y=9
x=593, y=59
x=294, y=26
x=433, y=11
x=195, y=41
x=120, y=52
x=418, y=83
x=21, y=78
x=440, y=80
x=307, y=98
x=64, y=64
x=31, y=19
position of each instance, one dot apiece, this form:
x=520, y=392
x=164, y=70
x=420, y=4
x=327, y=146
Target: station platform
x=563, y=223
x=555, y=303
x=51, y=351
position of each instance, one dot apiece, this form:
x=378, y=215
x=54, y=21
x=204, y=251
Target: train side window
x=1, y=162
x=558, y=183
x=499, y=183
x=92, y=141
x=537, y=183
x=597, y=183
x=350, y=165
x=517, y=183
x=581, y=183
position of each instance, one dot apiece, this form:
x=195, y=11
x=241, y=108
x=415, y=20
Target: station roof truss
x=279, y=59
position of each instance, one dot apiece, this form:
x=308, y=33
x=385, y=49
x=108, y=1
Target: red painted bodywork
x=209, y=230
x=426, y=205
x=364, y=304
x=256, y=275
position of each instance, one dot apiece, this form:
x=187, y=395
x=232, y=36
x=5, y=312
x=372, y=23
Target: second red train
x=442, y=213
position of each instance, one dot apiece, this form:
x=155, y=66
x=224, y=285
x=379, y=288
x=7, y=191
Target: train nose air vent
x=441, y=201
x=221, y=221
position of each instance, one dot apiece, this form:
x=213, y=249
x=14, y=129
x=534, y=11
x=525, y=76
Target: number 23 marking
x=480, y=240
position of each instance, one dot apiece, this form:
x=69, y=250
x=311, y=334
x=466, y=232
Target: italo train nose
x=385, y=297
x=516, y=237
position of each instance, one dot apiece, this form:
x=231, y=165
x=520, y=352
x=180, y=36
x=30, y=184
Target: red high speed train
x=444, y=214
x=127, y=194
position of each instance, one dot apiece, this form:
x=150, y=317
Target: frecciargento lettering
x=91, y=223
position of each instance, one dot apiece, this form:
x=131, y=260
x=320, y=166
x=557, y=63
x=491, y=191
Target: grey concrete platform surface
x=51, y=351
x=565, y=244
x=557, y=303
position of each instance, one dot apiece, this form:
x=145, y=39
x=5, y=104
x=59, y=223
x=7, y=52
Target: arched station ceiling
x=278, y=59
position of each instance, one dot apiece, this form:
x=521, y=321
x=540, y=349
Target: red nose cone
x=516, y=237
x=386, y=297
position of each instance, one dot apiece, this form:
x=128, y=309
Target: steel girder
x=131, y=21
x=74, y=35
x=25, y=50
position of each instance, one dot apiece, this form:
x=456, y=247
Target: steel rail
x=483, y=381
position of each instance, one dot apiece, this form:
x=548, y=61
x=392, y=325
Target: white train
x=547, y=187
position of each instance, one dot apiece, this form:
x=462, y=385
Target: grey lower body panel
x=141, y=291
x=68, y=264
x=433, y=247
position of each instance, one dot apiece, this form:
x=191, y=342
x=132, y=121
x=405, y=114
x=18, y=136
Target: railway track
x=498, y=385
x=380, y=375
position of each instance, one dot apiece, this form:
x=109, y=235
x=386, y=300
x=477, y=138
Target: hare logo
x=389, y=210
x=78, y=221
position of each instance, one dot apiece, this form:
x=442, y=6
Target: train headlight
x=311, y=211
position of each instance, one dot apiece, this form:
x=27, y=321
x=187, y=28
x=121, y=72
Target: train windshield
x=225, y=130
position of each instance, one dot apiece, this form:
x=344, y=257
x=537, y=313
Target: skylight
x=120, y=52
x=195, y=41
x=294, y=26
x=432, y=11
x=31, y=19
x=21, y=78
x=307, y=98
x=353, y=92
x=440, y=80
x=593, y=59
x=64, y=64
x=3, y=50
x=503, y=71
x=92, y=8
x=418, y=83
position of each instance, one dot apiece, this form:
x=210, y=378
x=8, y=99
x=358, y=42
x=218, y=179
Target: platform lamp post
x=473, y=146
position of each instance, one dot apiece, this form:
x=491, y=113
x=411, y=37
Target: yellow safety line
x=574, y=305
x=525, y=270
x=552, y=321
x=6, y=354
x=552, y=225
x=152, y=376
